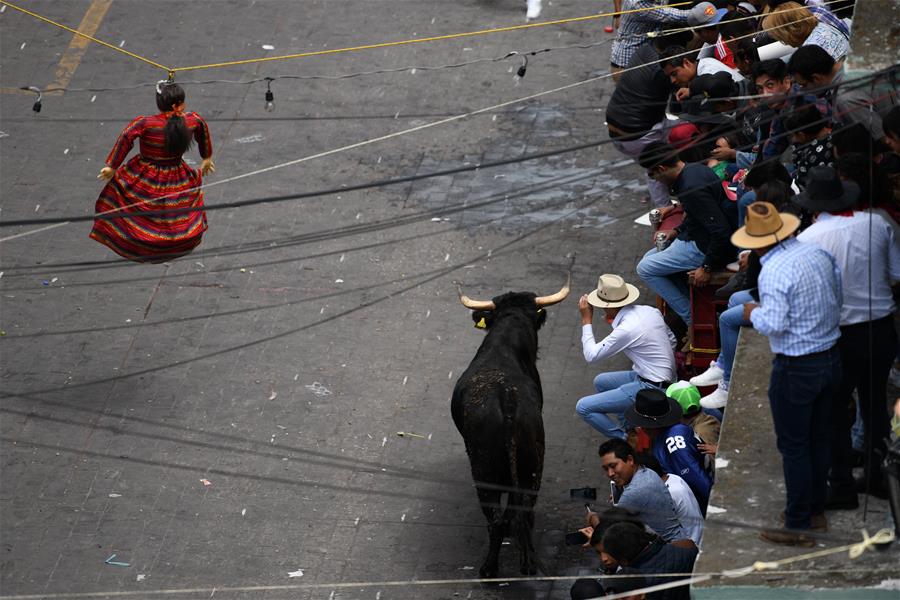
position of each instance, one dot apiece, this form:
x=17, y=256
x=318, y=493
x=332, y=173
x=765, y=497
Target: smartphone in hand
x=577, y=538
x=586, y=493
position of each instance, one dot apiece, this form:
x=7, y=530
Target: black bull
x=496, y=407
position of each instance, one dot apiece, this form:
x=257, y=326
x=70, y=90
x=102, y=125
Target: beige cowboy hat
x=764, y=226
x=612, y=292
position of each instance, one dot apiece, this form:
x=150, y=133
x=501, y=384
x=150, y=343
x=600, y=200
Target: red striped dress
x=152, y=180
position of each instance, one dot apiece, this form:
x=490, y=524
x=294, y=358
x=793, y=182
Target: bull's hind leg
x=522, y=507
x=493, y=512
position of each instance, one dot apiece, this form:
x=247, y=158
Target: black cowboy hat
x=826, y=192
x=653, y=409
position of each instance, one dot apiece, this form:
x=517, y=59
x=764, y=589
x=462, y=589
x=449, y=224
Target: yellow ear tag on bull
x=481, y=324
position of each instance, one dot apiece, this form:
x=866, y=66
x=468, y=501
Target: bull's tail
x=509, y=406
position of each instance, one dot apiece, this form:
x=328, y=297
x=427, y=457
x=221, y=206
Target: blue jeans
x=615, y=393
x=730, y=323
x=748, y=198
x=800, y=392
x=655, y=270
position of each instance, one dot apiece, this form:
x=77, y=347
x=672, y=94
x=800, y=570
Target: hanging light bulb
x=270, y=97
x=524, y=67
x=36, y=107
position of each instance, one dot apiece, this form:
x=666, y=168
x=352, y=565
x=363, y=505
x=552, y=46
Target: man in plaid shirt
x=634, y=26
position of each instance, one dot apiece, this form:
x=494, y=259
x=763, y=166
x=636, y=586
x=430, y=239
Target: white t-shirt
x=686, y=507
x=708, y=66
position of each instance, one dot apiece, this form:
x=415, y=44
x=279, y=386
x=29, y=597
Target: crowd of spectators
x=787, y=173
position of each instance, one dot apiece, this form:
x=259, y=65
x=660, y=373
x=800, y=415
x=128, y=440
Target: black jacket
x=639, y=100
x=660, y=557
x=705, y=223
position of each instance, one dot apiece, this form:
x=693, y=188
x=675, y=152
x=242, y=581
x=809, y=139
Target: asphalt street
x=230, y=422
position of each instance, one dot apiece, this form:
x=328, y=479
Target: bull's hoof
x=488, y=571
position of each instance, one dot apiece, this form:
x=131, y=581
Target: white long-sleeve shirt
x=641, y=334
x=849, y=241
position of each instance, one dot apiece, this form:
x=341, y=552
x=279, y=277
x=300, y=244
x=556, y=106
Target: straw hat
x=612, y=292
x=764, y=226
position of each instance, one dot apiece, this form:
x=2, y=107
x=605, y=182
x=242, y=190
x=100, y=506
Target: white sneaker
x=711, y=376
x=534, y=9
x=717, y=399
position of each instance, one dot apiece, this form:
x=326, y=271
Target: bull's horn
x=474, y=304
x=557, y=297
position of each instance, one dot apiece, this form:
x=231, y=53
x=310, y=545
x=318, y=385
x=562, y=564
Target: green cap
x=687, y=395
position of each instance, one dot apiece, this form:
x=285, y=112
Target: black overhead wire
x=384, y=182
x=267, y=244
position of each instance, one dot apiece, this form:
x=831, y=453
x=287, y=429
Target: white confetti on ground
x=268, y=47
x=66, y=151
x=721, y=463
x=122, y=44
x=714, y=510
x=94, y=98
x=256, y=137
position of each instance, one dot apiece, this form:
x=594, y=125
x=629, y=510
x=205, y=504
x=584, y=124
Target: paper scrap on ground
x=714, y=510
x=721, y=463
x=206, y=482
x=297, y=573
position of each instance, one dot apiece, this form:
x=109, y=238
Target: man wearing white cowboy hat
x=641, y=334
x=799, y=311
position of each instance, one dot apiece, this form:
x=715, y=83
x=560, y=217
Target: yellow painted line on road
x=70, y=60
x=9, y=90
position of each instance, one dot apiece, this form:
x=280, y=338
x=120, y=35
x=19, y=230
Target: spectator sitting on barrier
x=673, y=443
x=636, y=23
x=640, y=490
x=815, y=71
x=640, y=333
x=682, y=67
x=799, y=311
x=706, y=422
x=868, y=255
x=794, y=25
x=636, y=113
x=686, y=506
x=810, y=134
x=699, y=245
x=629, y=546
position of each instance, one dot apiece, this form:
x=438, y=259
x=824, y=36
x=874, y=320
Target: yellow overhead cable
x=84, y=35
x=172, y=70
x=436, y=38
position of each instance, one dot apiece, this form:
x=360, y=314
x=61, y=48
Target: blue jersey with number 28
x=676, y=450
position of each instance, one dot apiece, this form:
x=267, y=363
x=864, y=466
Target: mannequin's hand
x=106, y=173
x=207, y=166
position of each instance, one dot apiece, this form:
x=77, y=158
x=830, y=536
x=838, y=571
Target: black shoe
x=737, y=283
x=677, y=325
x=845, y=501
